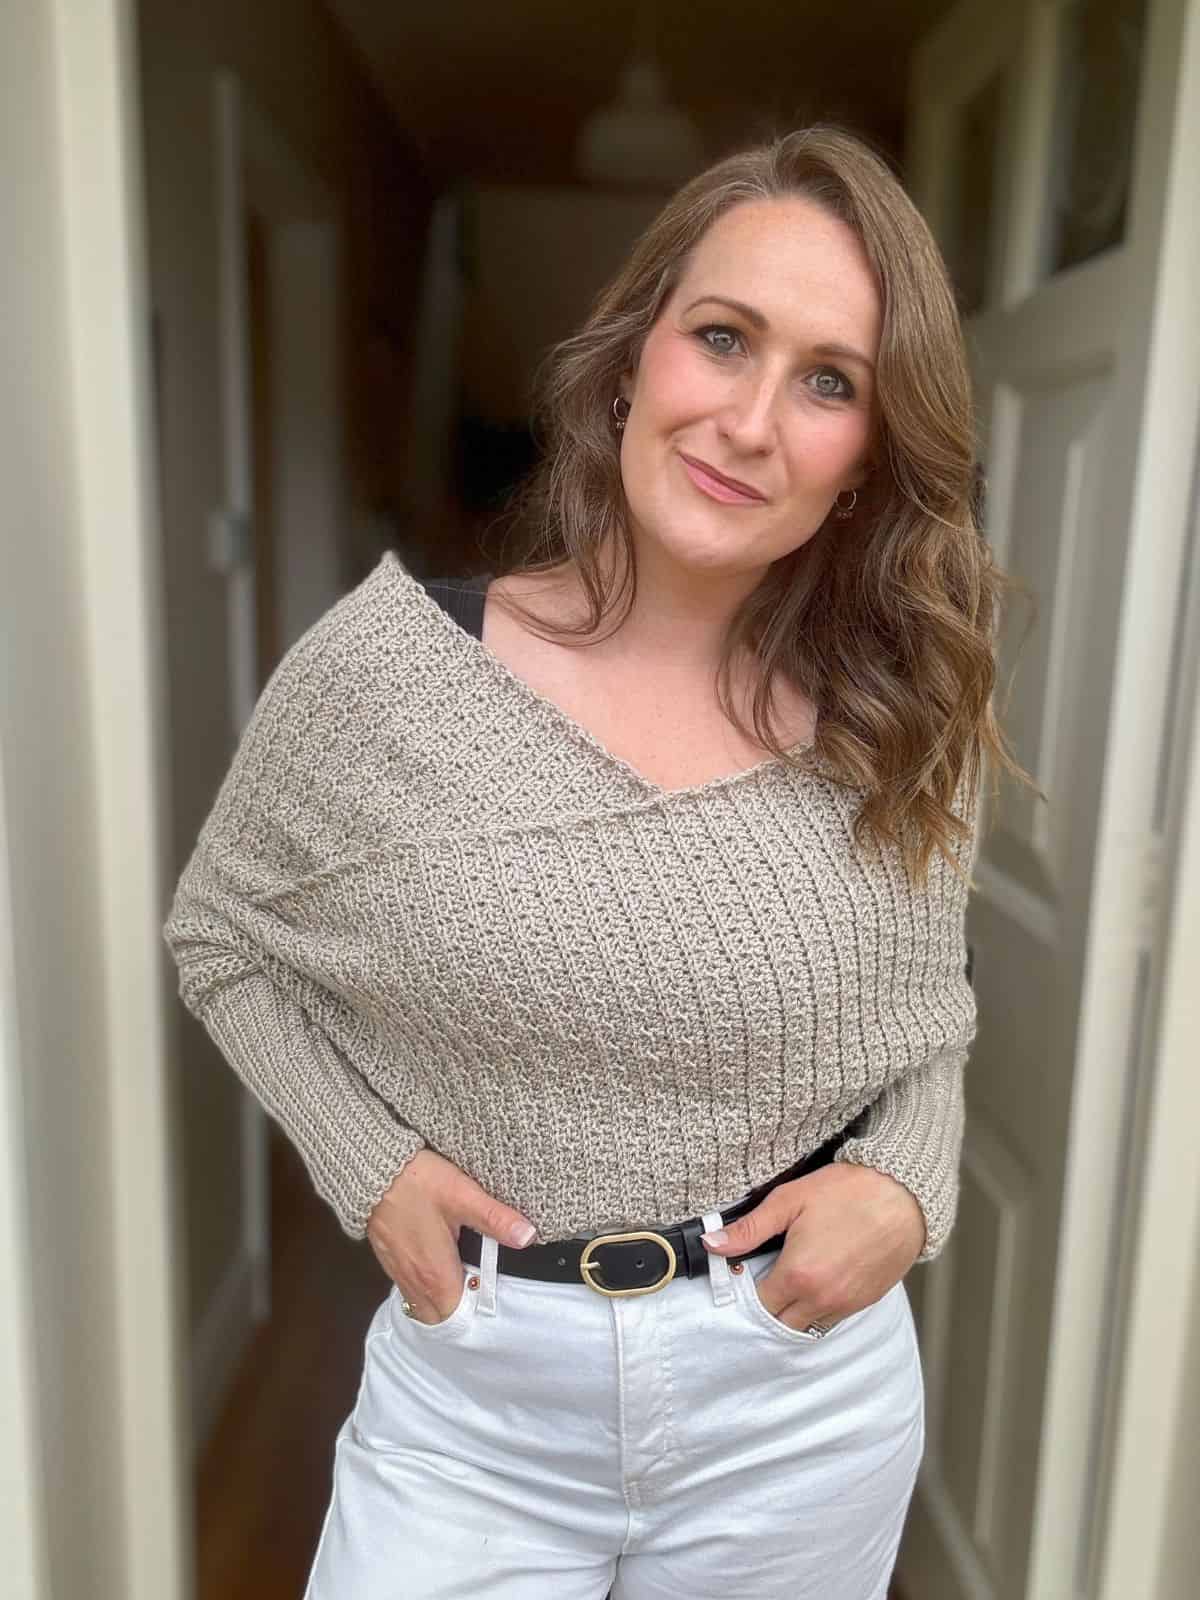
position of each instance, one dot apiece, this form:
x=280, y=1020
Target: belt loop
x=489, y=1252
x=718, y=1268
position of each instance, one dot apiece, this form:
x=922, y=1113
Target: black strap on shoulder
x=460, y=598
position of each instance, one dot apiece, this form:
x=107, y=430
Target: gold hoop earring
x=841, y=512
x=619, y=415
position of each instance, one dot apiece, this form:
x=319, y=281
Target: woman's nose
x=749, y=419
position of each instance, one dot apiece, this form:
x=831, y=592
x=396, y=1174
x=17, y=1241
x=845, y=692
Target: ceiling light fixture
x=639, y=140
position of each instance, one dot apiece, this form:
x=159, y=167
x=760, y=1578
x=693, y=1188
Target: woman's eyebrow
x=757, y=320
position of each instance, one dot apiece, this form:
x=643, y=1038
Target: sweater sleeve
x=311, y=1056
x=913, y=1130
x=914, y=1133
x=352, y=1143
x=304, y=1054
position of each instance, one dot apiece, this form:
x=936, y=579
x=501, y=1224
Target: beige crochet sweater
x=428, y=907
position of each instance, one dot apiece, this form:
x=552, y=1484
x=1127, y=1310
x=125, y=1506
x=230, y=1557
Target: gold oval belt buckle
x=587, y=1266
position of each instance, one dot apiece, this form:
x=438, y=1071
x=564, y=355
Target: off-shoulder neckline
x=550, y=711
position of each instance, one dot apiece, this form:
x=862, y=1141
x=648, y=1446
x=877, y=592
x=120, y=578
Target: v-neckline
x=551, y=710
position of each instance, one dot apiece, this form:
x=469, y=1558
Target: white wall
x=22, y=1490
x=1181, y=1551
x=85, y=1217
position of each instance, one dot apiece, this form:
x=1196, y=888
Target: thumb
x=769, y=1217
x=488, y=1215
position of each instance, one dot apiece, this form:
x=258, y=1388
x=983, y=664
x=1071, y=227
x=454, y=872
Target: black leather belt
x=641, y=1260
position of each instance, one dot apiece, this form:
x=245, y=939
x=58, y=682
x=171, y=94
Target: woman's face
x=759, y=367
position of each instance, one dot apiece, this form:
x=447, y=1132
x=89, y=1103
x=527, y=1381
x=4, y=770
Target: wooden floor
x=264, y=1480
x=263, y=1484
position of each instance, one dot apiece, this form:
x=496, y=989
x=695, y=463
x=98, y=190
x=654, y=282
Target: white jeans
x=548, y=1443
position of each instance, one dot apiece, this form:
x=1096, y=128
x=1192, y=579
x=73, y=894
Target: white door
x=1055, y=149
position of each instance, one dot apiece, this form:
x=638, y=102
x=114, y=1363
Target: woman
x=527, y=943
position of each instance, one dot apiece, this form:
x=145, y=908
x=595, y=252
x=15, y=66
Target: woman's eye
x=833, y=385
x=713, y=336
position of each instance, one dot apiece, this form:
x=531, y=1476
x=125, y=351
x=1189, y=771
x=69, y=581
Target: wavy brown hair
x=886, y=622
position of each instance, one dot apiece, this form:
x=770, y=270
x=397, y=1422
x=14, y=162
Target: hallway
x=263, y=1480
x=1055, y=151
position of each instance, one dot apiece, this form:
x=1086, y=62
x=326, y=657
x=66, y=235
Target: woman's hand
x=413, y=1231
x=852, y=1232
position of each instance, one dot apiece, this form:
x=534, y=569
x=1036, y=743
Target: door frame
x=1129, y=1231
x=128, y=1169
x=1105, y=1456
x=258, y=170
x=1160, y=1246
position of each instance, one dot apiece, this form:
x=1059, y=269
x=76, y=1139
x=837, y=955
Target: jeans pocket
x=407, y=1368
x=401, y=1323
x=751, y=1302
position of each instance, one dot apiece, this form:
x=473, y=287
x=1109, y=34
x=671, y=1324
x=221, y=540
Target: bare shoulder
x=550, y=592
x=507, y=635
x=551, y=596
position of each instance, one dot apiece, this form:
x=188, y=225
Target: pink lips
x=730, y=491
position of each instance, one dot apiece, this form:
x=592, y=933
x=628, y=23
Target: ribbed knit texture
x=428, y=907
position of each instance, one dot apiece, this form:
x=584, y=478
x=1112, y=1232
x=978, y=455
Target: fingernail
x=718, y=1237
x=521, y=1234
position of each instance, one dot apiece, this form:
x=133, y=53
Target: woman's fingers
x=855, y=1233
x=422, y=1309
x=413, y=1231
x=787, y=1300
x=774, y=1214
x=798, y=1289
x=459, y=1199
x=426, y=1268
x=799, y=1316
x=465, y=1201
x=416, y=1247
